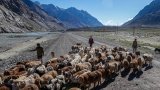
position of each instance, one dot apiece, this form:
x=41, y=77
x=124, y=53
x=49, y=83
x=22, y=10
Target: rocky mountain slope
x=25, y=16
x=72, y=17
x=149, y=16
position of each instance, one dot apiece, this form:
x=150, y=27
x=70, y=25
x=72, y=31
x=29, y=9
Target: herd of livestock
x=82, y=67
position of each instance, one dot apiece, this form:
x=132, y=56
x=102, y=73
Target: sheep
x=125, y=64
x=41, y=70
x=134, y=64
x=103, y=57
x=84, y=59
x=75, y=49
x=67, y=68
x=53, y=81
x=122, y=49
x=103, y=48
x=110, y=57
x=68, y=57
x=31, y=64
x=103, y=72
x=129, y=58
x=81, y=66
x=1, y=79
x=61, y=79
x=112, y=67
x=49, y=76
x=74, y=77
x=141, y=62
x=58, y=86
x=137, y=63
x=31, y=70
x=60, y=82
x=122, y=56
x=83, y=79
x=82, y=53
x=22, y=81
x=97, y=66
x=50, y=87
x=76, y=60
x=53, y=60
x=56, y=83
x=94, y=77
x=7, y=73
x=49, y=68
x=16, y=70
x=148, y=58
x=52, y=66
x=9, y=79
x=119, y=65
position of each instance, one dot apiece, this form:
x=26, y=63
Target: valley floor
x=15, y=47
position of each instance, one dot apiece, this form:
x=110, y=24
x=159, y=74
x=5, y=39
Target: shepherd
x=135, y=45
x=40, y=52
x=91, y=41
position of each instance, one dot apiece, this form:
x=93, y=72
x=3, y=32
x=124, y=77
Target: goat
x=41, y=70
x=83, y=79
x=126, y=64
x=30, y=87
x=4, y=87
x=94, y=77
x=49, y=76
x=148, y=58
x=81, y=66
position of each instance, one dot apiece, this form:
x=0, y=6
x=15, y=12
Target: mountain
x=25, y=16
x=71, y=17
x=149, y=16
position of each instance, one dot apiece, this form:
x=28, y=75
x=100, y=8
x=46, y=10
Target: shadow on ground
x=134, y=74
x=125, y=72
x=148, y=68
x=105, y=83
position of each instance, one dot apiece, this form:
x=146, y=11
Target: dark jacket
x=91, y=41
x=40, y=51
x=134, y=45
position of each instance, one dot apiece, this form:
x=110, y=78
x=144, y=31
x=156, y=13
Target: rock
x=25, y=16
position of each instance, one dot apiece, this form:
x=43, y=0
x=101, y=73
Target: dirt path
x=24, y=46
x=149, y=79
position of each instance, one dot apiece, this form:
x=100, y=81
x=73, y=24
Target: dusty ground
x=60, y=43
x=146, y=80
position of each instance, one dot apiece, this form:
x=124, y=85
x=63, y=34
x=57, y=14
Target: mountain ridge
x=72, y=17
x=148, y=16
x=25, y=16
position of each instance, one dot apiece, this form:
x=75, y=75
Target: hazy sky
x=109, y=12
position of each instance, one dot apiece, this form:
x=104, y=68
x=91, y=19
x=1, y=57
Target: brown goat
x=3, y=87
x=30, y=87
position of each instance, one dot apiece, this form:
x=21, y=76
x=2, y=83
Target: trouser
x=134, y=50
x=91, y=45
x=40, y=58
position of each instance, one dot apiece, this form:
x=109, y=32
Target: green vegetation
x=146, y=37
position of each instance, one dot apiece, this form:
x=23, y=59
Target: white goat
x=76, y=60
x=148, y=58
